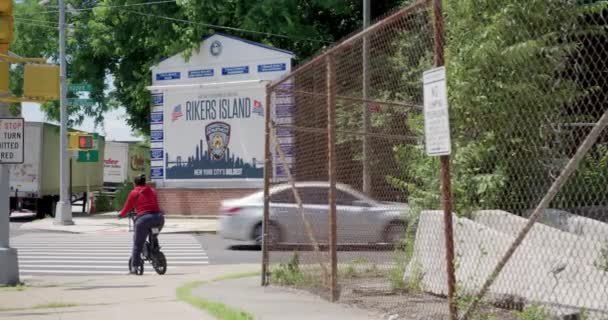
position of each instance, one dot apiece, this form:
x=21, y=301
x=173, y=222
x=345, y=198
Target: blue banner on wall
x=157, y=99
x=156, y=154
x=200, y=73
x=157, y=172
x=273, y=67
x=156, y=135
x=228, y=71
x=168, y=76
x=156, y=117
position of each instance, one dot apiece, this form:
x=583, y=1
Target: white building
x=207, y=122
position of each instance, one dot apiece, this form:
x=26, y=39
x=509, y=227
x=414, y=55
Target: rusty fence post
x=446, y=185
x=267, y=177
x=331, y=147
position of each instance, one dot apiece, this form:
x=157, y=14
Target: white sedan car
x=360, y=219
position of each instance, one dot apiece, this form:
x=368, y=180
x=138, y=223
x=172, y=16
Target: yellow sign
x=41, y=81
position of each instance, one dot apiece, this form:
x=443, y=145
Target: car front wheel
x=395, y=232
x=274, y=233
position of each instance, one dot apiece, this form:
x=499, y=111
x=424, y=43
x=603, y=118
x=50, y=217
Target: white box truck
x=122, y=161
x=34, y=184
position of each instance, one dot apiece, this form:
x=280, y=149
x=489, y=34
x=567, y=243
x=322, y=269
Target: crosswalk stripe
x=115, y=254
x=67, y=254
x=102, y=258
x=31, y=251
x=100, y=247
x=122, y=262
x=88, y=272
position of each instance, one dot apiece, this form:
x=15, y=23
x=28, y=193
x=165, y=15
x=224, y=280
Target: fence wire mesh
x=527, y=84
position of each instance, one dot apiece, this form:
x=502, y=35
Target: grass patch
x=216, y=309
x=19, y=287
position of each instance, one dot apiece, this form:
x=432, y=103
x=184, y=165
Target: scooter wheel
x=159, y=263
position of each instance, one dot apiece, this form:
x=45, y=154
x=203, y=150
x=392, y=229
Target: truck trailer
x=34, y=184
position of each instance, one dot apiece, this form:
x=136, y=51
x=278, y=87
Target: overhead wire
x=112, y=6
x=222, y=27
x=269, y=34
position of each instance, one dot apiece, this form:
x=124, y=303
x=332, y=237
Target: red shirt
x=143, y=198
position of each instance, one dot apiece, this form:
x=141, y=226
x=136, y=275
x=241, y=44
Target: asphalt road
x=221, y=251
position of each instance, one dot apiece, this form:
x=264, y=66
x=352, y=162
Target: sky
x=114, y=128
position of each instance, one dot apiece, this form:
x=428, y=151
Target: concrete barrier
x=537, y=272
x=578, y=224
x=547, y=241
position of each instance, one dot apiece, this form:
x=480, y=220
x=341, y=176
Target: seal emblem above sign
x=216, y=48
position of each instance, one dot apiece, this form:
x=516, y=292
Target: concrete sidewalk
x=108, y=223
x=276, y=303
x=149, y=297
x=153, y=297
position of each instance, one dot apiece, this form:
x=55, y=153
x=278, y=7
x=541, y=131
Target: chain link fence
x=356, y=213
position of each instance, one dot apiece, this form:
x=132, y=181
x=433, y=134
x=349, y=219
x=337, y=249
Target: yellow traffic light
x=4, y=77
x=6, y=21
x=80, y=141
x=41, y=81
x=72, y=141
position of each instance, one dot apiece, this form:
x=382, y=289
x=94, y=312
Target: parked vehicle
x=34, y=184
x=360, y=219
x=122, y=161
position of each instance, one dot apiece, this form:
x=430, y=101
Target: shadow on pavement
x=108, y=287
x=245, y=247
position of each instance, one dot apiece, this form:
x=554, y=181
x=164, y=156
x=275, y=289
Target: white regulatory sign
x=11, y=140
x=436, y=117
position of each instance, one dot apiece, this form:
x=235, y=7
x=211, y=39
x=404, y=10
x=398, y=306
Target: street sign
x=11, y=140
x=81, y=102
x=80, y=87
x=88, y=156
x=436, y=117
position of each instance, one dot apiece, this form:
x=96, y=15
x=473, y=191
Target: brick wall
x=196, y=201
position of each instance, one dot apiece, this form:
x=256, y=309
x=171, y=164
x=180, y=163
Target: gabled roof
x=248, y=42
x=257, y=44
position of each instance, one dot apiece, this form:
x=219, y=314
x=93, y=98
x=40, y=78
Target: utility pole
x=367, y=183
x=63, y=213
x=9, y=267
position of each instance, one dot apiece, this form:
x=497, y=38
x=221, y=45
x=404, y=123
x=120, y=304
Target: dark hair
x=140, y=180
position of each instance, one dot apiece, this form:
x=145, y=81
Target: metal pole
x=331, y=146
x=367, y=183
x=63, y=214
x=446, y=187
x=267, y=175
x=9, y=266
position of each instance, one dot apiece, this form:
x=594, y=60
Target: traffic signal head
x=85, y=142
x=6, y=21
x=81, y=141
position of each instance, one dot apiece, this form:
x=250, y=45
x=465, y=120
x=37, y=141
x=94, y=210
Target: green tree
x=121, y=42
x=510, y=79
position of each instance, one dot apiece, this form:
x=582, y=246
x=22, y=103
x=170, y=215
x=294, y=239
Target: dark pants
x=143, y=224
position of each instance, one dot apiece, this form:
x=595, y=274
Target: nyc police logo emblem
x=218, y=137
x=216, y=48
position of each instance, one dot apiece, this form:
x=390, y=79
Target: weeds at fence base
x=602, y=260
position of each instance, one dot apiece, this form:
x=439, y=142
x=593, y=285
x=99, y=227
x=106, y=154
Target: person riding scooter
x=147, y=216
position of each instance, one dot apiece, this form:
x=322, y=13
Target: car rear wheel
x=274, y=233
x=395, y=232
